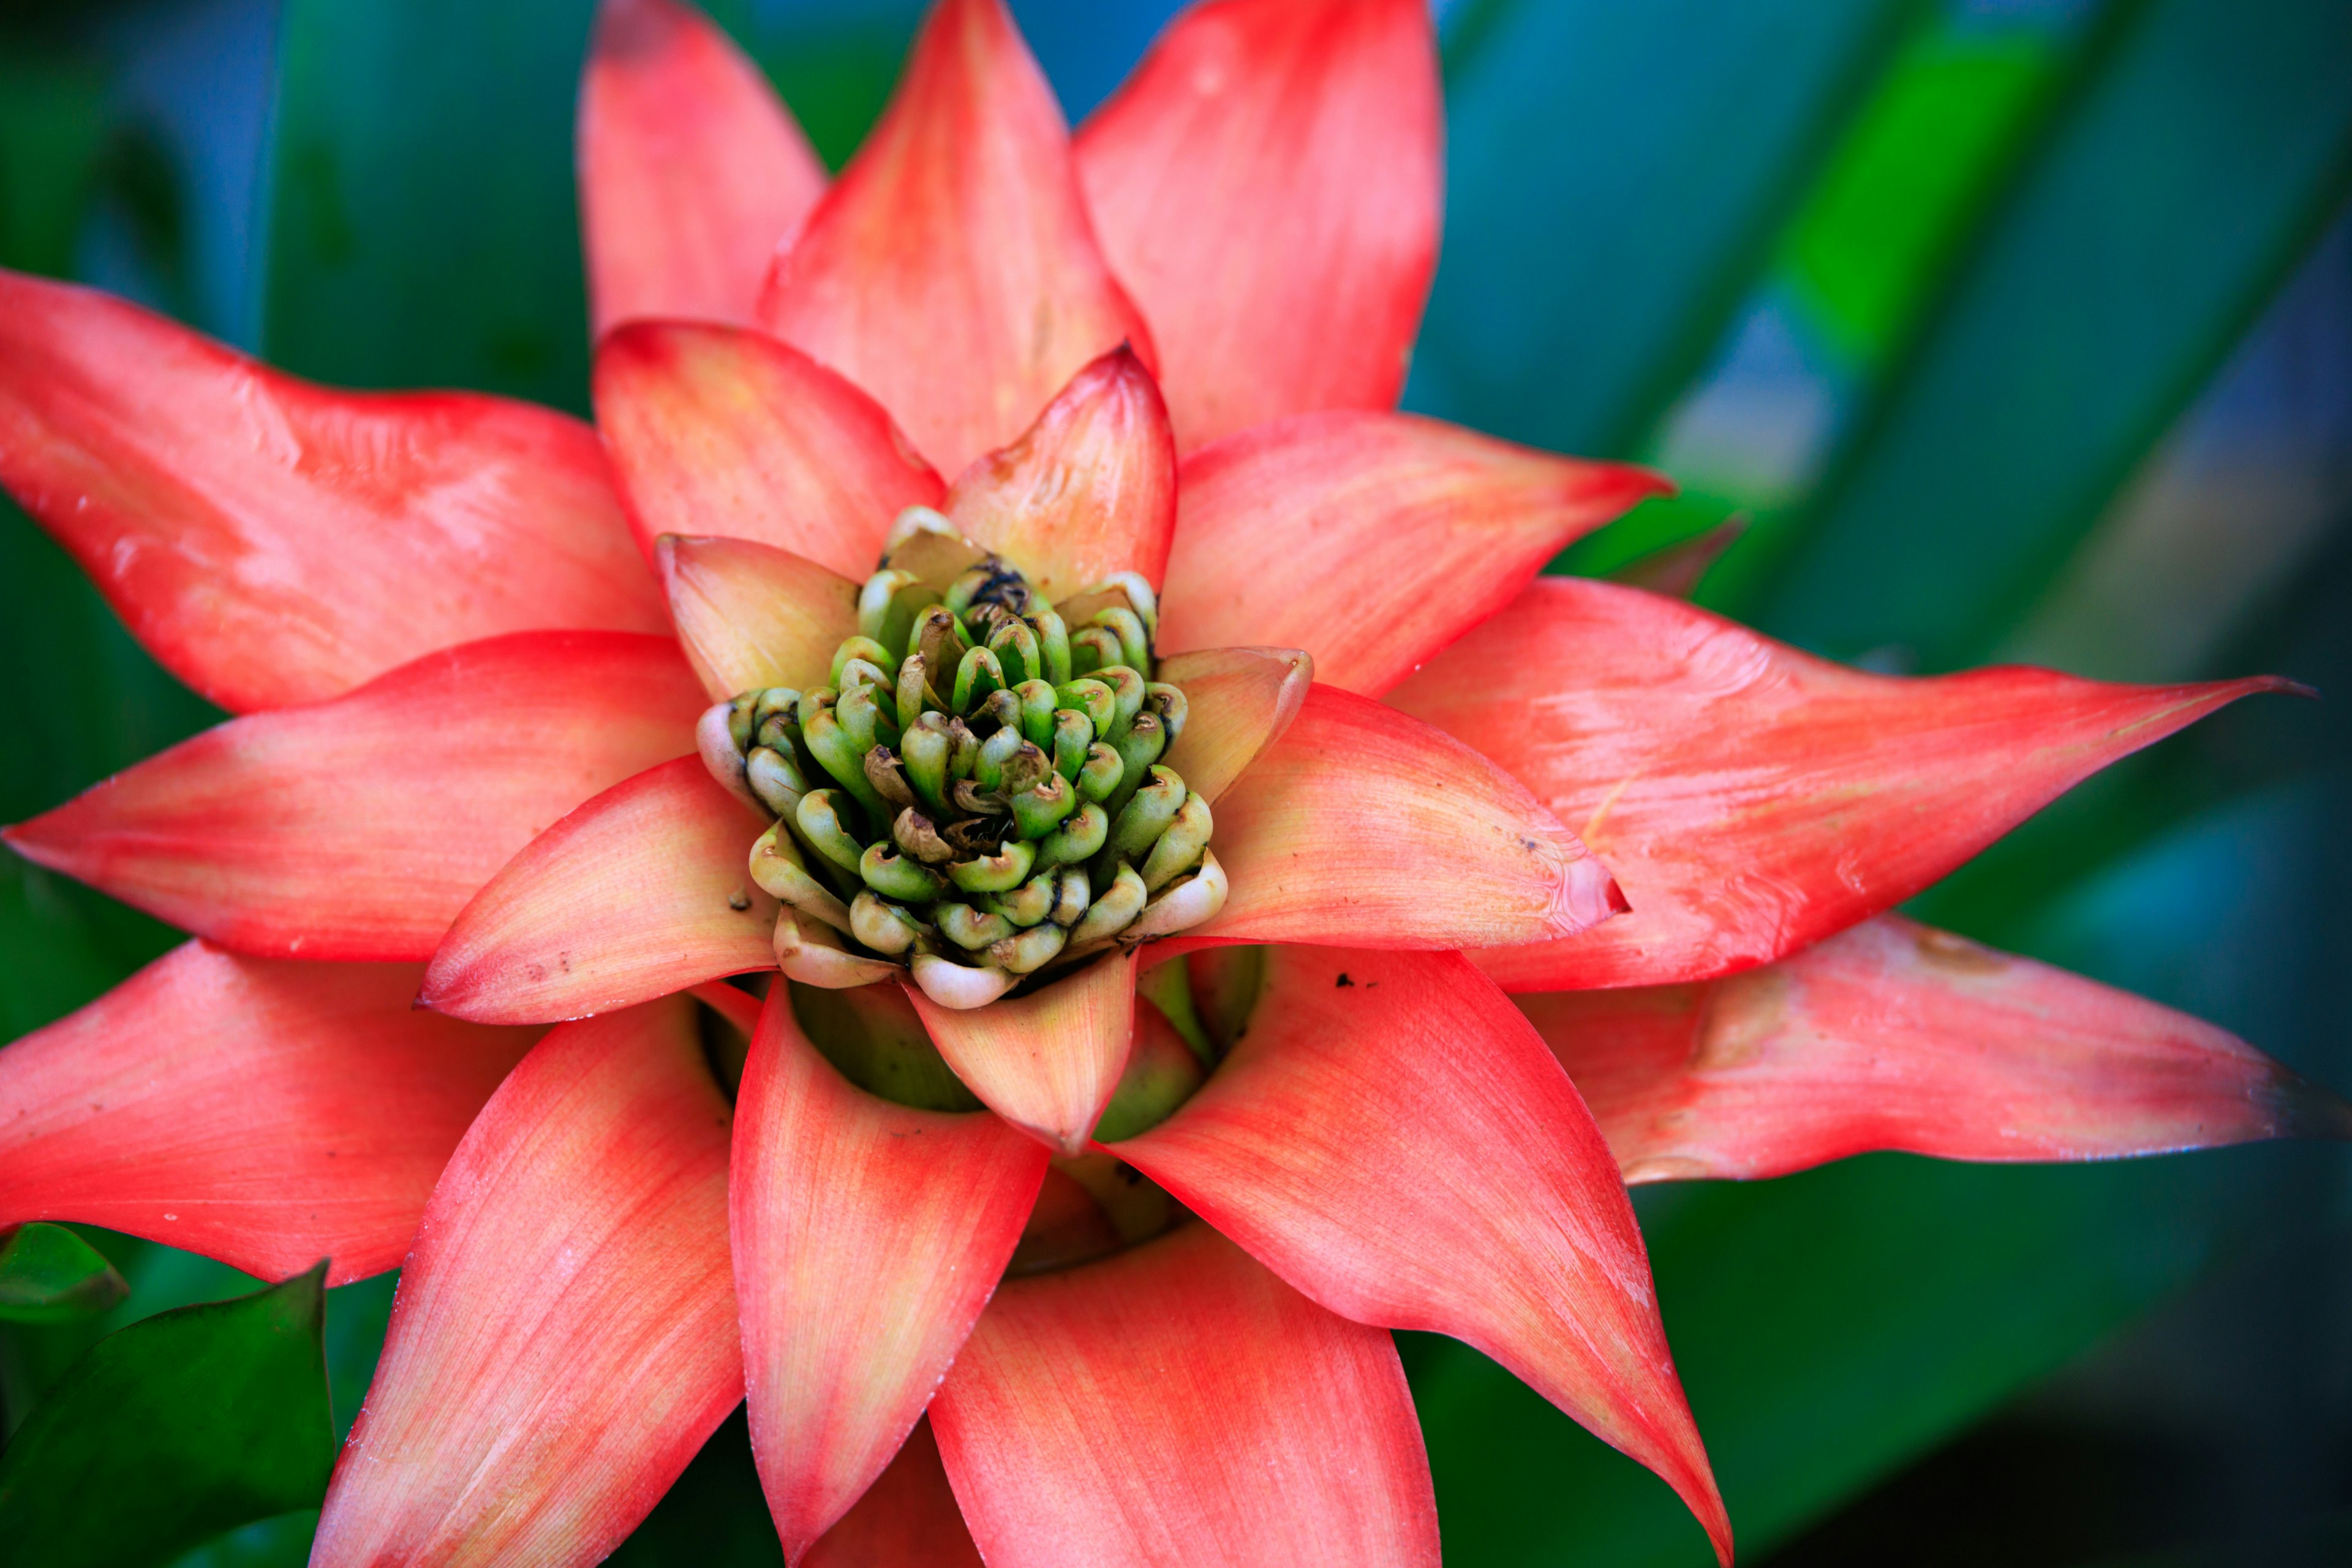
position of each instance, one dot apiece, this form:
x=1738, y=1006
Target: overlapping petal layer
x=1088, y=490
x=691, y=168
x=565, y=1337
x=1750, y=798
x=906, y=1519
x=867, y=1237
x=953, y=273
x=265, y=1113
x=752, y=616
x=1239, y=702
x=1178, y=1405
x=273, y=541
x=1390, y=1136
x=1893, y=1036
x=357, y=828
x=1267, y=184
x=1046, y=1062
x=1362, y=826
x=1372, y=540
x=642, y=891
x=718, y=431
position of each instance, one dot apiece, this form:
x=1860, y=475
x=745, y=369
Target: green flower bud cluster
x=980, y=779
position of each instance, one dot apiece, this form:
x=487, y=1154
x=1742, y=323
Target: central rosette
x=977, y=792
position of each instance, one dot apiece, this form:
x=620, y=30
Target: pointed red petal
x=1390, y=1136
x=1362, y=826
x=867, y=1237
x=265, y=1113
x=1370, y=539
x=564, y=1335
x=357, y=828
x=909, y=1518
x=1178, y=1404
x=1046, y=1062
x=642, y=891
x=691, y=169
x=1893, y=1036
x=1088, y=490
x=952, y=272
x=1239, y=702
x=272, y=542
x=751, y=616
x=1753, y=799
x=719, y=431
x=1267, y=184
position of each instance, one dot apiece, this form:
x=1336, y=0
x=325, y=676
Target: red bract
x=1162, y=355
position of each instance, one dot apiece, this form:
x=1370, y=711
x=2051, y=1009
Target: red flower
x=468, y=735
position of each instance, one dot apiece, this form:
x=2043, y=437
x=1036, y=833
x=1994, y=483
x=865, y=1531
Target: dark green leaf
x=1615, y=176
x=50, y=1275
x=174, y=1429
x=2212, y=142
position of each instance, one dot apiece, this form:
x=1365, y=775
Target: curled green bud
x=1000, y=872
x=883, y=926
x=969, y=797
x=1145, y=816
x=1169, y=703
x=958, y=985
x=819, y=817
x=1186, y=902
x=1025, y=769
x=882, y=771
x=844, y=759
x=1102, y=774
x=1072, y=895
x=1052, y=642
x=1038, y=810
x=1127, y=692
x=778, y=868
x=1135, y=646
x=916, y=835
x=853, y=649
x=1093, y=648
x=1037, y=708
x=816, y=699
x=1091, y=697
x=1077, y=840
x=874, y=602
x=963, y=756
x=939, y=637
x=1025, y=905
x=978, y=673
x=988, y=768
x=969, y=928
x=1025, y=951
x=1000, y=709
x=1071, y=735
x=721, y=758
x=1138, y=749
x=860, y=714
x=914, y=691
x=1179, y=849
x=776, y=779
x=924, y=751
x=1015, y=647
x=894, y=876
x=1113, y=911
x=774, y=703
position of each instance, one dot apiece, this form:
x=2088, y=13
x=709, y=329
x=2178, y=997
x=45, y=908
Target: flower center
x=978, y=790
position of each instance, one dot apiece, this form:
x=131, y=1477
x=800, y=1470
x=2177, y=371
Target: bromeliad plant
x=1143, y=839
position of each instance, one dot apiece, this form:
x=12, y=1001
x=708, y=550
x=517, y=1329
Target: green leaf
x=174, y=1429
x=2211, y=144
x=50, y=1275
x=1615, y=177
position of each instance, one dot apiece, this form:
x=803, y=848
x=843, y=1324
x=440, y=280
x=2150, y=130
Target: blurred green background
x=2014, y=329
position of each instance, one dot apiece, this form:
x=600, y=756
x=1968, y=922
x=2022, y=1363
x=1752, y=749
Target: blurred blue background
x=2015, y=329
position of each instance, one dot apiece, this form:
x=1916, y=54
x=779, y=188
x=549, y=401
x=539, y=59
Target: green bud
x=1015, y=647
x=860, y=714
x=1145, y=816
x=924, y=751
x=969, y=928
x=819, y=817
x=776, y=779
x=1025, y=951
x=740, y=726
x=816, y=699
x=1077, y=840
x=1025, y=769
x=964, y=755
x=874, y=602
x=894, y=876
x=970, y=799
x=1037, y=702
x=779, y=869
x=876, y=657
x=775, y=702
x=844, y=759
x=1006, y=870
x=913, y=692
x=977, y=674
x=1072, y=894
x=883, y=926
x=939, y=638
x=1138, y=749
x=1135, y=646
x=1052, y=642
x=1102, y=774
x=1000, y=710
x=1093, y=648
x=1179, y=849
x=1025, y=905
x=1127, y=692
x=1070, y=736
x=988, y=768
x=1091, y=697
x=1038, y=810
x=1114, y=911
x=1169, y=703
